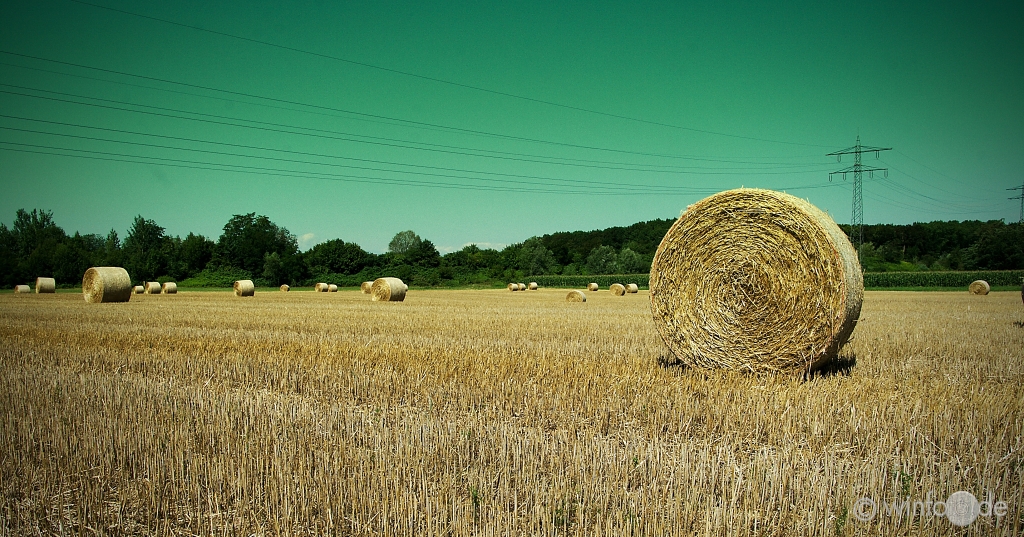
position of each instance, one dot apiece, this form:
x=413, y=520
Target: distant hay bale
x=46, y=285
x=575, y=296
x=365, y=287
x=138, y=289
x=755, y=280
x=244, y=288
x=632, y=288
x=169, y=288
x=285, y=288
x=979, y=287
x=617, y=289
x=592, y=287
x=388, y=290
x=331, y=288
x=532, y=286
x=513, y=287
x=106, y=284
x=320, y=287
x=22, y=289
x=522, y=286
x=152, y=288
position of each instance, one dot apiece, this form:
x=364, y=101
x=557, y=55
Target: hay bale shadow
x=667, y=360
x=1018, y=324
x=840, y=365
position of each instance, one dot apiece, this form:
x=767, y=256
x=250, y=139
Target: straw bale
x=285, y=288
x=632, y=288
x=755, y=280
x=152, y=288
x=617, y=289
x=388, y=290
x=592, y=287
x=244, y=288
x=575, y=296
x=169, y=288
x=46, y=285
x=513, y=287
x=979, y=287
x=138, y=289
x=320, y=287
x=532, y=286
x=365, y=287
x=106, y=284
x=522, y=286
x=331, y=288
x=22, y=289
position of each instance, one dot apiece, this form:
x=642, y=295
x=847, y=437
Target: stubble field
x=491, y=413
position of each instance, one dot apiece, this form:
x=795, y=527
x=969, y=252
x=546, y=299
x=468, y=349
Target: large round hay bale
x=617, y=289
x=285, y=288
x=106, y=284
x=152, y=288
x=388, y=290
x=365, y=287
x=138, y=289
x=46, y=285
x=575, y=296
x=513, y=287
x=755, y=280
x=632, y=288
x=522, y=286
x=592, y=287
x=320, y=287
x=22, y=289
x=979, y=287
x=169, y=288
x=532, y=286
x=331, y=288
x=244, y=288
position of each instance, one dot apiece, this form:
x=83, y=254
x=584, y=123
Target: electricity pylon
x=857, y=220
x=1021, y=198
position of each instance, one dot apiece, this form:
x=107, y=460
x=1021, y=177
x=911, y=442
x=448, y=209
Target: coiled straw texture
x=617, y=289
x=46, y=285
x=388, y=290
x=755, y=280
x=365, y=287
x=106, y=284
x=244, y=288
x=979, y=287
x=575, y=296
x=169, y=288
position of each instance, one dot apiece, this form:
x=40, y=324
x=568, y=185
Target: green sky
x=708, y=97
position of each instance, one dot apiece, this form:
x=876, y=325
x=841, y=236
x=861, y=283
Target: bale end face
x=365, y=287
x=781, y=288
x=244, y=288
x=388, y=290
x=979, y=287
x=106, y=284
x=617, y=289
x=285, y=288
x=575, y=296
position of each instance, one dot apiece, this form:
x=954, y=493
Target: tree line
x=253, y=247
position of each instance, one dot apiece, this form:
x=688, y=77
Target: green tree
x=535, y=258
x=338, y=257
x=630, y=262
x=404, y=241
x=602, y=260
x=248, y=238
x=145, y=256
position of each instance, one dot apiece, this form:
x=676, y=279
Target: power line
x=857, y=219
x=1021, y=198
x=440, y=80
x=380, y=141
x=344, y=111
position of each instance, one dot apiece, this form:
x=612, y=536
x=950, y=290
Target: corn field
x=492, y=413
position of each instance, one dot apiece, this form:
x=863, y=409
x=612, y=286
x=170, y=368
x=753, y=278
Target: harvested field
x=283, y=414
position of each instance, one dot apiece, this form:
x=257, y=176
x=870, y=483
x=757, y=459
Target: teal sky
x=708, y=97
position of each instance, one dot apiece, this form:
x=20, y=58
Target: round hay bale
x=285, y=288
x=138, y=289
x=632, y=288
x=575, y=296
x=320, y=287
x=169, y=288
x=755, y=280
x=513, y=287
x=979, y=287
x=106, y=284
x=152, y=288
x=522, y=286
x=365, y=287
x=388, y=290
x=331, y=288
x=592, y=287
x=22, y=289
x=46, y=285
x=244, y=288
x=532, y=286
x=617, y=289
